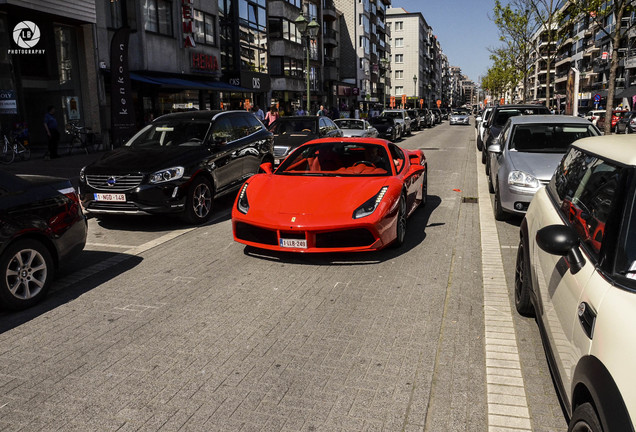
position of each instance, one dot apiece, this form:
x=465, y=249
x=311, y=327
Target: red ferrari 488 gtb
x=332, y=195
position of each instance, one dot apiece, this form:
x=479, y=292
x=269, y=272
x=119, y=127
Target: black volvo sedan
x=178, y=164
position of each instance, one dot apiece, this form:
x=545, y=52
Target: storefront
x=44, y=62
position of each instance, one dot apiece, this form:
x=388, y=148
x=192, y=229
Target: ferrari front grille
x=114, y=183
x=255, y=234
x=358, y=237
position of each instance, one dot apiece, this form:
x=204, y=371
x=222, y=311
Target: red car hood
x=278, y=198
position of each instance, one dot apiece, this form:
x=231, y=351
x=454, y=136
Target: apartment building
x=363, y=44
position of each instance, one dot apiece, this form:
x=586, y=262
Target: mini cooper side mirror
x=562, y=240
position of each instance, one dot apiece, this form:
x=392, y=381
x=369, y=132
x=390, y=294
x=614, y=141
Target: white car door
x=583, y=185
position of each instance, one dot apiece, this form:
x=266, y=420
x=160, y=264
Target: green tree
x=516, y=30
x=603, y=12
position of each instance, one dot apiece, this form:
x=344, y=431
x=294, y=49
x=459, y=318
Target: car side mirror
x=267, y=167
x=495, y=147
x=564, y=241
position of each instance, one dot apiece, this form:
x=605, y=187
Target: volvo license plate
x=110, y=197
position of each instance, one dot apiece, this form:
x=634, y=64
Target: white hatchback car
x=576, y=272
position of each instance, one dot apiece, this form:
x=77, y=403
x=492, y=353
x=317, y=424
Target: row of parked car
x=623, y=121
x=576, y=261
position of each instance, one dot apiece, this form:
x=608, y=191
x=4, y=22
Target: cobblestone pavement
x=201, y=334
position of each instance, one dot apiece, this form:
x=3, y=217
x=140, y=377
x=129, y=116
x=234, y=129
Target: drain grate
x=470, y=200
x=429, y=148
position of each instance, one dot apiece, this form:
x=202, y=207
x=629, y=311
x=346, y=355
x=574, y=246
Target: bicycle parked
x=79, y=136
x=16, y=145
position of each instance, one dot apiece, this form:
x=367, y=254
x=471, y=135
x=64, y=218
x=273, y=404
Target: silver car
x=460, y=117
x=356, y=128
x=525, y=155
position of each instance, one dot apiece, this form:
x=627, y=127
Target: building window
x=399, y=25
x=296, y=3
x=158, y=16
x=399, y=74
x=399, y=90
x=205, y=28
x=399, y=58
x=284, y=29
x=365, y=23
x=364, y=43
x=399, y=42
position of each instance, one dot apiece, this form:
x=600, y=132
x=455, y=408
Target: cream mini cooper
x=576, y=272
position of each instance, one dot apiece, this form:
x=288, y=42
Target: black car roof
x=195, y=114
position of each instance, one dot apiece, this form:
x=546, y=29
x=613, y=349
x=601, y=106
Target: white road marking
x=507, y=403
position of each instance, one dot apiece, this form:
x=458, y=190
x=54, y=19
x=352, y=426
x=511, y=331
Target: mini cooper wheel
x=480, y=144
x=484, y=154
x=585, y=419
x=400, y=223
x=27, y=272
x=522, y=283
x=199, y=202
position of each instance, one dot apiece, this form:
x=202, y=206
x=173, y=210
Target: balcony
x=330, y=37
x=329, y=11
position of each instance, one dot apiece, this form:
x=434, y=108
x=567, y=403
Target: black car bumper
x=164, y=198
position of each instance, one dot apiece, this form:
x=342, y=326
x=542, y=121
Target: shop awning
x=186, y=83
x=627, y=93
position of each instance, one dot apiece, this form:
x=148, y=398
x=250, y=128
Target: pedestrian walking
x=300, y=111
x=259, y=113
x=50, y=125
x=321, y=111
x=272, y=115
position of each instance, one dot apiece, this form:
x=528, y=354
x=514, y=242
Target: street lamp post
x=415, y=91
x=385, y=64
x=309, y=31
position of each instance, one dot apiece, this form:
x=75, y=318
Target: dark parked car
x=290, y=132
x=498, y=118
x=627, y=123
x=437, y=115
x=417, y=123
x=388, y=128
x=43, y=226
x=427, y=117
x=178, y=164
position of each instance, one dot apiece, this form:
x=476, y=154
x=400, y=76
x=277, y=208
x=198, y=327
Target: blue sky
x=463, y=28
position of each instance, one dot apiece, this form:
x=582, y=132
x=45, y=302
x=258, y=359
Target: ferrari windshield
x=171, y=133
x=351, y=159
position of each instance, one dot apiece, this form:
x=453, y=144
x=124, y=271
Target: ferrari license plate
x=110, y=197
x=293, y=243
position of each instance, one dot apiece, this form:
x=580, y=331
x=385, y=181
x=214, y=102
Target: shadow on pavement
x=221, y=212
x=415, y=234
x=58, y=296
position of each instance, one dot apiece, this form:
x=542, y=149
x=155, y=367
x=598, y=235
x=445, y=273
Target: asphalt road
x=162, y=327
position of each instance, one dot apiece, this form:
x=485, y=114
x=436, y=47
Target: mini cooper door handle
x=587, y=317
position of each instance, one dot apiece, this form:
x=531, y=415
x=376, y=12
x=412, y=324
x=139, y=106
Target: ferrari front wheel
x=424, y=189
x=400, y=229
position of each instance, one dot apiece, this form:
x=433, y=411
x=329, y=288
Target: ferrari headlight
x=242, y=204
x=166, y=175
x=370, y=205
x=521, y=179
